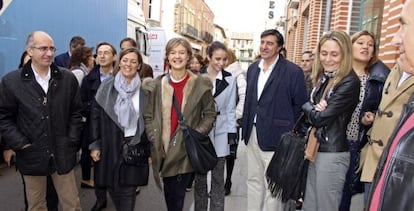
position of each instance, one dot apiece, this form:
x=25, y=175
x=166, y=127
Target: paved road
x=150, y=198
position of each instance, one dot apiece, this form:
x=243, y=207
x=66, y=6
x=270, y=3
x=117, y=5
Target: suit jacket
x=62, y=60
x=279, y=105
x=88, y=89
x=225, y=125
x=386, y=118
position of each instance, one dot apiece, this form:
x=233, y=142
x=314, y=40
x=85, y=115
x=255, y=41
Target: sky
x=243, y=15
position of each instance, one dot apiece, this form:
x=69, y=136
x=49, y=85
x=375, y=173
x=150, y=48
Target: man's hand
x=96, y=155
x=8, y=155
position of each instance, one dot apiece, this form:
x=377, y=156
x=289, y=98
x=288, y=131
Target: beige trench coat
x=393, y=98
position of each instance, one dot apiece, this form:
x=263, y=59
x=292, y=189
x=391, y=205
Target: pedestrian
x=224, y=130
x=392, y=185
x=372, y=74
x=196, y=63
x=62, y=60
x=81, y=62
x=306, y=64
x=40, y=120
x=234, y=67
x=275, y=93
x=193, y=94
x=106, y=57
x=398, y=88
x=116, y=122
x=332, y=101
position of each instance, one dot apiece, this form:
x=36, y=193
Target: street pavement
x=150, y=197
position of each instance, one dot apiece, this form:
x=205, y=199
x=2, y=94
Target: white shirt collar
x=261, y=63
x=43, y=82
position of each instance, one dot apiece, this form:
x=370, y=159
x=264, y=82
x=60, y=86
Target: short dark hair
x=128, y=39
x=106, y=43
x=280, y=41
x=307, y=52
x=77, y=41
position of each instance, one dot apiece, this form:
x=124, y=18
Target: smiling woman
x=193, y=95
x=332, y=101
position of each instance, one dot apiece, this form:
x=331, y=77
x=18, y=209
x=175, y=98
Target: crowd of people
x=122, y=120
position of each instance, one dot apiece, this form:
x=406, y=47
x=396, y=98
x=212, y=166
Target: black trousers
x=123, y=197
x=174, y=191
x=86, y=163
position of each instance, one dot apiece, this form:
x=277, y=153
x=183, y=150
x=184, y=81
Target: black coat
x=107, y=135
x=373, y=93
x=332, y=122
x=50, y=122
x=398, y=188
x=88, y=89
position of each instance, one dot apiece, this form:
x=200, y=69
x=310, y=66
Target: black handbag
x=134, y=168
x=287, y=171
x=200, y=149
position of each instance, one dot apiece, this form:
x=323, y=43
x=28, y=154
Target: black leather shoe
x=99, y=206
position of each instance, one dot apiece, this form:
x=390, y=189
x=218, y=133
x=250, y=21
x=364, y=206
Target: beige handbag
x=312, y=146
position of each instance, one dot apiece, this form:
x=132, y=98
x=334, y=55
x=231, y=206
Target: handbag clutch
x=134, y=168
x=287, y=171
x=312, y=146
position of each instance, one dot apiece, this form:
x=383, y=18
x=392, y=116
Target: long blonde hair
x=345, y=67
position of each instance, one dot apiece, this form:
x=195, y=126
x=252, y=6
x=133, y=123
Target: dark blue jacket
x=279, y=105
x=378, y=73
x=62, y=60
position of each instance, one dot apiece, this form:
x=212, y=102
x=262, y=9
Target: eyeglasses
x=44, y=49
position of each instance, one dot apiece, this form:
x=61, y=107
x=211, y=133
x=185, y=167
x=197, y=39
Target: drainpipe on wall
x=348, y=24
x=328, y=16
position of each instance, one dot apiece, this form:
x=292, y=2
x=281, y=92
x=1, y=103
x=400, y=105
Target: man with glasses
x=40, y=120
x=105, y=57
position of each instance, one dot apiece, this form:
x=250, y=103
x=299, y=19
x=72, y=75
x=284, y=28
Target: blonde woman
x=329, y=110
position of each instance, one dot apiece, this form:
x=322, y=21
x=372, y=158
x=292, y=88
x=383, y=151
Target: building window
x=372, y=16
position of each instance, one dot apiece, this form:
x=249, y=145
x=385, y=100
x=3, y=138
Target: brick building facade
x=307, y=20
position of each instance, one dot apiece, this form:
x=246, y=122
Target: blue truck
x=95, y=20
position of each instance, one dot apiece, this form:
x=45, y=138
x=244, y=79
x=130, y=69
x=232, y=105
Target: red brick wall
x=390, y=25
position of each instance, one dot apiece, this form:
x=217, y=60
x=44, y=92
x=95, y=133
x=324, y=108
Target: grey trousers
x=325, y=181
x=217, y=189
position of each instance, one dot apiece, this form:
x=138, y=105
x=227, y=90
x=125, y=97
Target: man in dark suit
x=274, y=96
x=105, y=56
x=62, y=60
